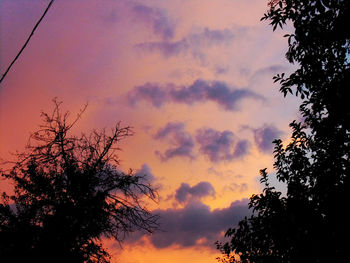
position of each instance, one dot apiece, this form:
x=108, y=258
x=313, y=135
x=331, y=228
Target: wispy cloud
x=268, y=71
x=157, y=19
x=234, y=187
x=221, y=93
x=193, y=43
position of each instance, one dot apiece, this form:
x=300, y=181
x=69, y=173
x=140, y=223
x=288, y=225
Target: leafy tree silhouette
x=69, y=194
x=309, y=224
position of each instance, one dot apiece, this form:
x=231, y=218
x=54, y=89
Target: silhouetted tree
x=309, y=224
x=69, y=194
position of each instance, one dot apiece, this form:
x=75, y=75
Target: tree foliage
x=309, y=224
x=69, y=194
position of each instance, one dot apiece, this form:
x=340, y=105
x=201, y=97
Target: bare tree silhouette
x=69, y=194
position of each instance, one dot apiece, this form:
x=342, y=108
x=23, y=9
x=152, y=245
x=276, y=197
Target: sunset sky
x=192, y=77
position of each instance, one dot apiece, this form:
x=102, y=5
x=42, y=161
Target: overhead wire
x=27, y=41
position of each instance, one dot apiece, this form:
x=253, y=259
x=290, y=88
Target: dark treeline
x=310, y=223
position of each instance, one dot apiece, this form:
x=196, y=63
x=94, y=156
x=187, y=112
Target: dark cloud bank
x=219, y=92
x=194, y=224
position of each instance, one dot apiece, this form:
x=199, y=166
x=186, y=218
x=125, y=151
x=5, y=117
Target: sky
x=193, y=78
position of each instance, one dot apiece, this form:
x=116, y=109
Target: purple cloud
x=157, y=18
x=265, y=135
x=212, y=37
x=145, y=173
x=200, y=91
x=215, y=91
x=180, y=139
x=148, y=92
x=221, y=146
x=185, y=192
x=171, y=127
x=146, y=177
x=196, y=224
x=166, y=48
x=191, y=43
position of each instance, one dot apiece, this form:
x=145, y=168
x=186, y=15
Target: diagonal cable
x=26, y=43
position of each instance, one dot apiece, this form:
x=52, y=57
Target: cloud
x=264, y=136
x=221, y=146
x=192, y=43
x=181, y=140
x=268, y=71
x=170, y=128
x=145, y=173
x=145, y=176
x=215, y=91
x=152, y=93
x=157, y=19
x=217, y=146
x=234, y=187
x=196, y=224
x=185, y=192
x=200, y=91
x=166, y=48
